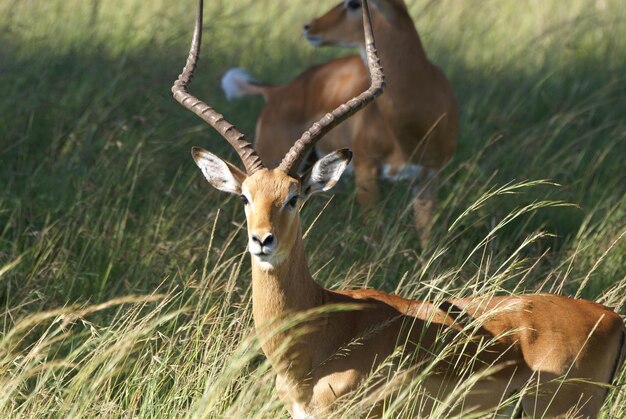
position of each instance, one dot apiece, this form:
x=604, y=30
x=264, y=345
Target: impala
x=533, y=340
x=409, y=134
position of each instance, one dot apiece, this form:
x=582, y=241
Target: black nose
x=306, y=27
x=268, y=240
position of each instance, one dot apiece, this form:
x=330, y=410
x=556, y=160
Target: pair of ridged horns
x=307, y=140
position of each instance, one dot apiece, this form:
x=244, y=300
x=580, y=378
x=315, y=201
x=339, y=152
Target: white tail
x=237, y=82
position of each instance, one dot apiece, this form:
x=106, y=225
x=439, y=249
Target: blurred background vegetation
x=100, y=199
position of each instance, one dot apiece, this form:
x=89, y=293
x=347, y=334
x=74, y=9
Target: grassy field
x=124, y=283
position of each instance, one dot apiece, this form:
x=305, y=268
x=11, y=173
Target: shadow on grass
x=101, y=198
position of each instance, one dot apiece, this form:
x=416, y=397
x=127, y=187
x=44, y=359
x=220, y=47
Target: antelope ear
x=326, y=172
x=221, y=174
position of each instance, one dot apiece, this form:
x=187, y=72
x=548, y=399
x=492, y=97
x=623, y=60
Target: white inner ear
x=325, y=173
x=219, y=173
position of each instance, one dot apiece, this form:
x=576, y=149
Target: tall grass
x=123, y=277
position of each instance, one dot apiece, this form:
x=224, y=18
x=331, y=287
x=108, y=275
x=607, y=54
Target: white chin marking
x=314, y=40
x=268, y=262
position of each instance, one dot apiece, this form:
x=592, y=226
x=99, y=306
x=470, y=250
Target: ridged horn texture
x=292, y=159
x=248, y=155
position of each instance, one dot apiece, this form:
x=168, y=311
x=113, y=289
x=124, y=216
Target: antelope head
x=342, y=25
x=272, y=199
x=272, y=196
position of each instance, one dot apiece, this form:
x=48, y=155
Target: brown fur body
x=537, y=337
x=418, y=108
x=532, y=340
x=414, y=122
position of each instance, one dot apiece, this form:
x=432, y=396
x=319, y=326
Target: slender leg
x=425, y=203
x=366, y=179
x=369, y=150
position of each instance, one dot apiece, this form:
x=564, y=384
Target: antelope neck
x=404, y=69
x=289, y=287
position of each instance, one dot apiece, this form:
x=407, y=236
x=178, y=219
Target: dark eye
x=243, y=199
x=353, y=4
x=293, y=201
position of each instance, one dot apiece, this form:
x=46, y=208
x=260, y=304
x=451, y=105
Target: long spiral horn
x=292, y=159
x=249, y=157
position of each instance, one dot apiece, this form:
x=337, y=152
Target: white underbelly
x=298, y=412
x=407, y=173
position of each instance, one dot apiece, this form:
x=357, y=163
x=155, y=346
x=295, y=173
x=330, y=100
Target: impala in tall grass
x=409, y=134
x=559, y=353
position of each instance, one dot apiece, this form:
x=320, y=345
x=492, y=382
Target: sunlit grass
x=123, y=277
